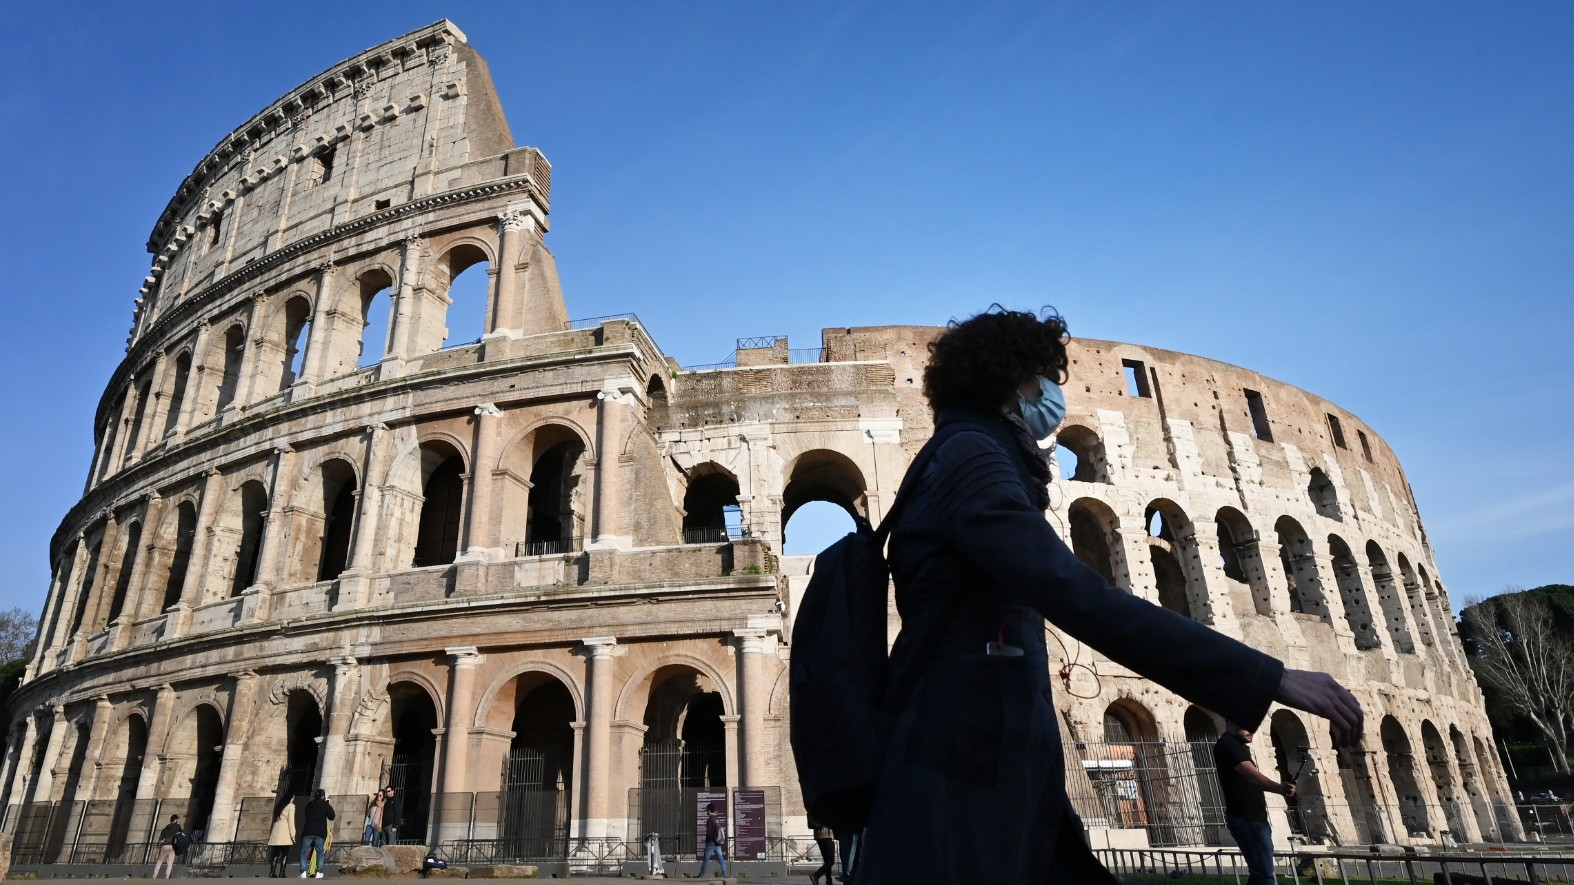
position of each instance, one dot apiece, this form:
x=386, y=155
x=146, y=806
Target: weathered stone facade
x=318, y=552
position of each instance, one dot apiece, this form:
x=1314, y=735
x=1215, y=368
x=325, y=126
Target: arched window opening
x=234, y=356
x=56, y=848
x=197, y=754
x=1475, y=769
x=556, y=508
x=180, y=559
x=1202, y=731
x=1080, y=454
x=132, y=746
x=815, y=526
x=442, y=506
x=469, y=292
x=128, y=562
x=177, y=397
x=251, y=518
x=1443, y=778
x=134, y=435
x=684, y=749
x=111, y=435
x=1307, y=809
x=412, y=719
x=821, y=475
x=65, y=572
x=1406, y=779
x=1134, y=782
x=656, y=393
x=338, y=503
x=538, y=774
x=1357, y=609
x=297, y=330
x=1241, y=559
x=710, y=506
x=1299, y=562
x=1388, y=596
x=303, y=725
x=1165, y=554
x=376, y=317
x=1355, y=778
x=1415, y=596
x=1324, y=498
x=88, y=574
x=1093, y=536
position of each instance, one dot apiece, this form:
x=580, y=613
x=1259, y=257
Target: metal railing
x=713, y=534
x=548, y=548
x=1137, y=866
x=593, y=322
x=806, y=355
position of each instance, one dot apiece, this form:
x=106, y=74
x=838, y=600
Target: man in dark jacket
x=393, y=812
x=314, y=832
x=1245, y=811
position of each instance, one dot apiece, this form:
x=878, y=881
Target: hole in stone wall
x=1259, y=413
x=1136, y=378
x=1336, y=431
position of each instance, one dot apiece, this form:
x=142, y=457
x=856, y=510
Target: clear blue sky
x=1371, y=201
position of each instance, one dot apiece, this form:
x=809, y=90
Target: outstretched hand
x=1319, y=694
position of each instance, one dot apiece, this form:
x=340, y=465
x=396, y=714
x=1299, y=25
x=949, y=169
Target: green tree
x=1521, y=647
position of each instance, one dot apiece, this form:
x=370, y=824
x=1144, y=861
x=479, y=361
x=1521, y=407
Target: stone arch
x=129, y=747
x=193, y=754
x=130, y=543
x=69, y=812
x=371, y=338
x=1357, y=781
x=237, y=535
x=1324, y=497
x=684, y=745
x=640, y=682
x=1415, y=597
x=139, y=417
x=459, y=255
x=1141, y=791
x=1357, y=605
x=536, y=709
x=1388, y=597
x=225, y=363
x=1240, y=557
x=1079, y=453
x=1202, y=730
x=1307, y=809
x=440, y=515
x=94, y=539
x=414, y=715
x=1299, y=561
x=487, y=710
x=1403, y=775
x=545, y=493
x=1436, y=753
x=824, y=475
x=1483, y=775
x=1172, y=551
x=1094, y=534
x=281, y=355
x=180, y=379
x=322, y=518
x=711, y=512
x=656, y=397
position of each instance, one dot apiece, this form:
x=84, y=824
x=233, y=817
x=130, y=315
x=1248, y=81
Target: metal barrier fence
x=1140, y=866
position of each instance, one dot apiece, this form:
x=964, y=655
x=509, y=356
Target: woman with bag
x=281, y=836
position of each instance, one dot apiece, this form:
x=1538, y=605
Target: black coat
x=974, y=782
x=318, y=813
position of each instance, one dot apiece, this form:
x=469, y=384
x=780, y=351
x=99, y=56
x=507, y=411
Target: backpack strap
x=948, y=427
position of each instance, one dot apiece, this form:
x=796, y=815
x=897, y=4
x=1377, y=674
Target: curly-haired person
x=973, y=783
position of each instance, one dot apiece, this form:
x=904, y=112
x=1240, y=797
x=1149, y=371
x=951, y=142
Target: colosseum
x=532, y=573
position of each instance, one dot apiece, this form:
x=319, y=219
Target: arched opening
x=195, y=753
x=1079, y=453
x=303, y=728
x=106, y=457
x=64, y=574
x=1299, y=562
x=89, y=572
x=1321, y=490
x=556, y=509
x=1443, y=778
x=134, y=745
x=376, y=302
x=710, y=506
x=684, y=750
x=413, y=719
x=68, y=814
x=1307, y=810
x=185, y=526
x=815, y=526
x=128, y=562
x=229, y=374
x=1404, y=777
x=824, y=475
x=1488, y=810
x=469, y=293
x=656, y=393
x=1356, y=778
x=134, y=434
x=1202, y=732
x=1388, y=598
x=538, y=774
x=338, y=502
x=1241, y=559
x=442, y=505
x=177, y=397
x=1169, y=540
x=1357, y=610
x=247, y=517
x=1416, y=598
x=1094, y=537
x=1134, y=782
x=297, y=331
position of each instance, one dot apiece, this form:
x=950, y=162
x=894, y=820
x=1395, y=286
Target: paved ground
x=580, y=880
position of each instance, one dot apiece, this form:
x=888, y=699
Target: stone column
x=221, y=824
x=599, y=651
x=1139, y=563
x=341, y=704
x=729, y=726
x=194, y=593
x=21, y=751
x=1197, y=551
x=59, y=627
x=87, y=780
x=462, y=662
x=354, y=581
x=275, y=527
x=256, y=343
x=153, y=757
x=507, y=315
x=751, y=666
x=1273, y=575
x=314, y=367
x=611, y=531
x=194, y=381
x=154, y=418
x=405, y=299
x=44, y=779
x=480, y=531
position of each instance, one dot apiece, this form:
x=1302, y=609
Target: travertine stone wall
x=313, y=553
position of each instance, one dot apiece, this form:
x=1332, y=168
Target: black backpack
x=840, y=666
x=180, y=842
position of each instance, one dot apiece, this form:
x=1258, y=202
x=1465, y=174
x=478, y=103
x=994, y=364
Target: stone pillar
x=194, y=593
x=341, y=704
x=57, y=631
x=729, y=726
x=480, y=530
x=751, y=667
x=21, y=750
x=462, y=661
x=1197, y=551
x=325, y=320
x=221, y=824
x=194, y=381
x=611, y=531
x=406, y=297
x=354, y=581
x=275, y=527
x=44, y=778
x=154, y=418
x=257, y=349
x=507, y=314
x=599, y=651
x=1139, y=562
x=87, y=780
x=153, y=757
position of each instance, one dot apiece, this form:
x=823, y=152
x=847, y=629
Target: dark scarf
x=1037, y=459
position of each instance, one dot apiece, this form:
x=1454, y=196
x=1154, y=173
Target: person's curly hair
x=978, y=362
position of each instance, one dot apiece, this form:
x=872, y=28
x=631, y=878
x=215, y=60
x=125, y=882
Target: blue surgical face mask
x=1045, y=413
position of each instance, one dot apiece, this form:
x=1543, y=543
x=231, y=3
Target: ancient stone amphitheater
x=532, y=572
